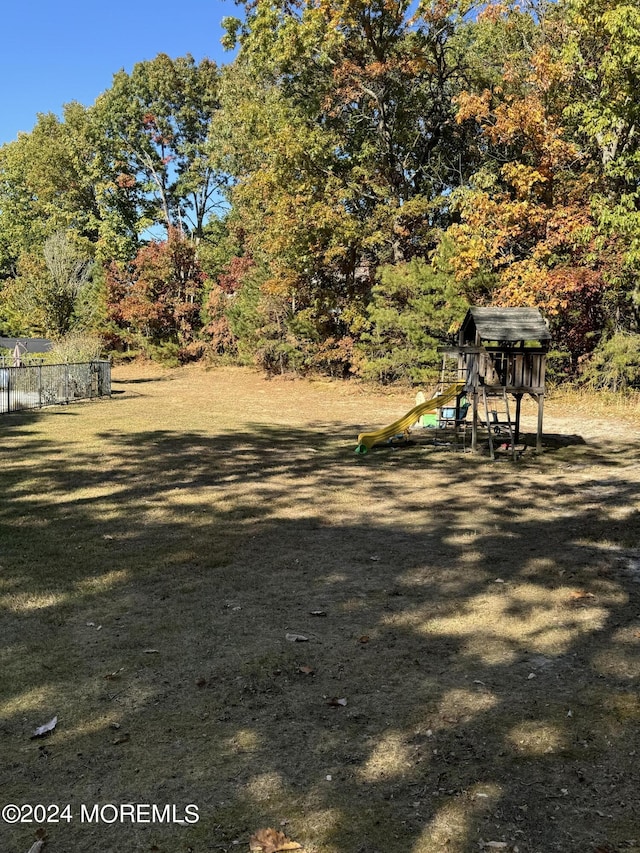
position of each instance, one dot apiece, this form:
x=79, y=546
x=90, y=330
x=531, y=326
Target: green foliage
x=69, y=273
x=615, y=363
x=337, y=123
x=48, y=294
x=414, y=308
x=48, y=183
x=155, y=122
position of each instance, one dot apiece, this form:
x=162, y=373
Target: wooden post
x=540, y=412
x=474, y=428
x=516, y=436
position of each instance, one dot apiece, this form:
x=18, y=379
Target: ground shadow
x=481, y=622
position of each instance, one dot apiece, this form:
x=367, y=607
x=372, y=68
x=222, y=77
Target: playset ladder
x=498, y=420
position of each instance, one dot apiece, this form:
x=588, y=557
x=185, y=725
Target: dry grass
x=482, y=622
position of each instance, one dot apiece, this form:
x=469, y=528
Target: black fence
x=33, y=386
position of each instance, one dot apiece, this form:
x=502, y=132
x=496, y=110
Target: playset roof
x=505, y=324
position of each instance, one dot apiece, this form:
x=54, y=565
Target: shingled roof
x=505, y=324
x=27, y=344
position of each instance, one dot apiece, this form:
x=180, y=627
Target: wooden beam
x=540, y=415
x=516, y=436
x=474, y=427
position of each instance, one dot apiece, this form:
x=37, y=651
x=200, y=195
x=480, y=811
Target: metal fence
x=33, y=386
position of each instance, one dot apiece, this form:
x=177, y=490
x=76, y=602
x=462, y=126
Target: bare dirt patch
x=468, y=677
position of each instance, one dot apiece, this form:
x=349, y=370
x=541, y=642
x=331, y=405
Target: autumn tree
x=339, y=125
x=154, y=301
x=524, y=219
x=602, y=54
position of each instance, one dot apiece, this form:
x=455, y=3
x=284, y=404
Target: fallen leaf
x=37, y=847
x=306, y=670
x=364, y=638
x=334, y=702
x=580, y=595
x=111, y=676
x=271, y=841
x=296, y=638
x=41, y=731
x=201, y=682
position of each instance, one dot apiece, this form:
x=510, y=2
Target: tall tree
x=342, y=141
x=524, y=218
x=602, y=52
x=156, y=120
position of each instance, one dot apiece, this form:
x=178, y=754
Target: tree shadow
x=481, y=623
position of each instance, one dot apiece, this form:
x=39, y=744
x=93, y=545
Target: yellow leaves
x=522, y=178
x=529, y=283
x=548, y=71
x=473, y=106
x=496, y=229
x=522, y=283
x=493, y=12
x=280, y=285
x=522, y=120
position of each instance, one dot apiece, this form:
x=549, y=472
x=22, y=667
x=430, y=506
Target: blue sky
x=56, y=51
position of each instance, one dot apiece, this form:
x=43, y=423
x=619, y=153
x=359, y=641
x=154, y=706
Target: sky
x=57, y=51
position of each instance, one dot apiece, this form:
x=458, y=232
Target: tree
x=156, y=121
x=415, y=307
x=602, y=52
x=155, y=300
x=57, y=178
x=525, y=217
x=47, y=293
x=69, y=273
x=339, y=123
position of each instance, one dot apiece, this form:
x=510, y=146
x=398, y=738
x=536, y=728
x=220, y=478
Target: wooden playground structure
x=501, y=354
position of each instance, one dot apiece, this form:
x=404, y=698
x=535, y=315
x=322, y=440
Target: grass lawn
x=469, y=678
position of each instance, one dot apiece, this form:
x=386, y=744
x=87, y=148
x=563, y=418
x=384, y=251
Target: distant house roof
x=29, y=344
x=505, y=324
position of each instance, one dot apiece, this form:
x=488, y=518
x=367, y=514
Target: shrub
x=615, y=363
x=76, y=347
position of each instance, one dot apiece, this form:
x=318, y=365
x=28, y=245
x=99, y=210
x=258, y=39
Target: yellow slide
x=366, y=440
